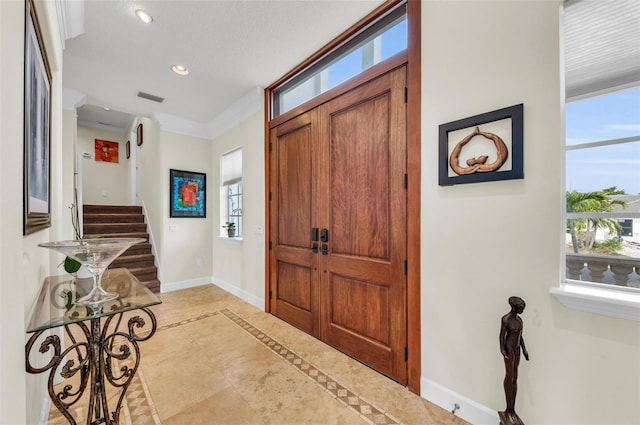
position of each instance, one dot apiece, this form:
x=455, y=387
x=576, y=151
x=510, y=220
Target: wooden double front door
x=337, y=257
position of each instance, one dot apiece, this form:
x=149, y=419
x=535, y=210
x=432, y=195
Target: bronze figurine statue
x=511, y=342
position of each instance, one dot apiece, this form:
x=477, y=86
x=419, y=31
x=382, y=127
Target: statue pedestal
x=509, y=419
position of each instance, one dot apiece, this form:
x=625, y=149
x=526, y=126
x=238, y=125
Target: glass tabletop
x=55, y=304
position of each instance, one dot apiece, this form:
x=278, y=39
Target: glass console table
x=100, y=353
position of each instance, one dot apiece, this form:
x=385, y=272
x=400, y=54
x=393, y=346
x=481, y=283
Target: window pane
x=612, y=116
x=295, y=96
x=602, y=241
x=379, y=42
x=234, y=207
x=345, y=68
x=593, y=169
x=394, y=40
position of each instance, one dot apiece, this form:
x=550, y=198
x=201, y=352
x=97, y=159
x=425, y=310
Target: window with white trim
x=602, y=164
x=231, y=194
x=602, y=158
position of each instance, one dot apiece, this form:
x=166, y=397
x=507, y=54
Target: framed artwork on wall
x=187, y=194
x=106, y=151
x=139, y=134
x=37, y=121
x=482, y=148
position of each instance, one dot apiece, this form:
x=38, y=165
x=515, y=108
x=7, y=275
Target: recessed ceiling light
x=180, y=69
x=106, y=108
x=144, y=16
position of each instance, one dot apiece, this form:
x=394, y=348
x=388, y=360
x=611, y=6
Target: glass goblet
x=95, y=255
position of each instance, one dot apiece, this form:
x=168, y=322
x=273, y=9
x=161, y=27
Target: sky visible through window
x=611, y=116
x=394, y=40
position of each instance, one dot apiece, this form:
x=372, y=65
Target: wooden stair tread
x=112, y=228
x=152, y=285
x=115, y=225
x=92, y=208
x=134, y=257
x=124, y=221
x=111, y=218
x=118, y=235
x=143, y=269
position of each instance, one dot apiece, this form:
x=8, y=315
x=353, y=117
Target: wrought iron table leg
x=94, y=359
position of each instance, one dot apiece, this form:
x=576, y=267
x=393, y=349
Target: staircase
x=124, y=221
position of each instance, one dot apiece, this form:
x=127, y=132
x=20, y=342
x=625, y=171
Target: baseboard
x=468, y=410
x=240, y=293
x=176, y=286
x=44, y=411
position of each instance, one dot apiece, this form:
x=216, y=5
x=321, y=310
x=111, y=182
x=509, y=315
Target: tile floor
x=218, y=360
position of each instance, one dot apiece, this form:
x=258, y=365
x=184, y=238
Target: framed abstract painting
x=106, y=151
x=187, y=194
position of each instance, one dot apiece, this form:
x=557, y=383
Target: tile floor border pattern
x=138, y=407
x=187, y=321
x=355, y=402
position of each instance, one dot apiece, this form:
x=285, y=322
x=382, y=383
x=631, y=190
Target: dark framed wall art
x=37, y=121
x=106, y=151
x=187, y=193
x=482, y=148
x=139, y=135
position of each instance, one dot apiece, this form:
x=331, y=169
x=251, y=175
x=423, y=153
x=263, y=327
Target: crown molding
x=174, y=124
x=72, y=99
x=237, y=112
x=70, y=18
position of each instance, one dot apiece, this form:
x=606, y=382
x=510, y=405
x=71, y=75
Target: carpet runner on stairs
x=124, y=221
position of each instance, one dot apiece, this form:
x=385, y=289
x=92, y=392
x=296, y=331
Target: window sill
x=227, y=238
x=615, y=301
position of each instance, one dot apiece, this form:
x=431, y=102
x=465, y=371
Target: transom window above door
x=377, y=43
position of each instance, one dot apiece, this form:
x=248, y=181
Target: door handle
x=324, y=235
x=325, y=250
x=314, y=239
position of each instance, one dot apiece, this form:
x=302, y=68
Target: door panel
x=293, y=264
x=363, y=283
x=293, y=155
x=294, y=285
x=293, y=297
x=360, y=194
x=341, y=168
x=360, y=307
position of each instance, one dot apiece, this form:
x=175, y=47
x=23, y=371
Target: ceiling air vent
x=150, y=97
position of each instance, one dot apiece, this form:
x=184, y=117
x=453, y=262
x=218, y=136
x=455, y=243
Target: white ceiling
x=231, y=47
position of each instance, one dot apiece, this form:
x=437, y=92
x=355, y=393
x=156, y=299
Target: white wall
x=239, y=266
x=151, y=175
x=187, y=246
x=104, y=183
x=484, y=242
x=23, y=265
x=69, y=130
